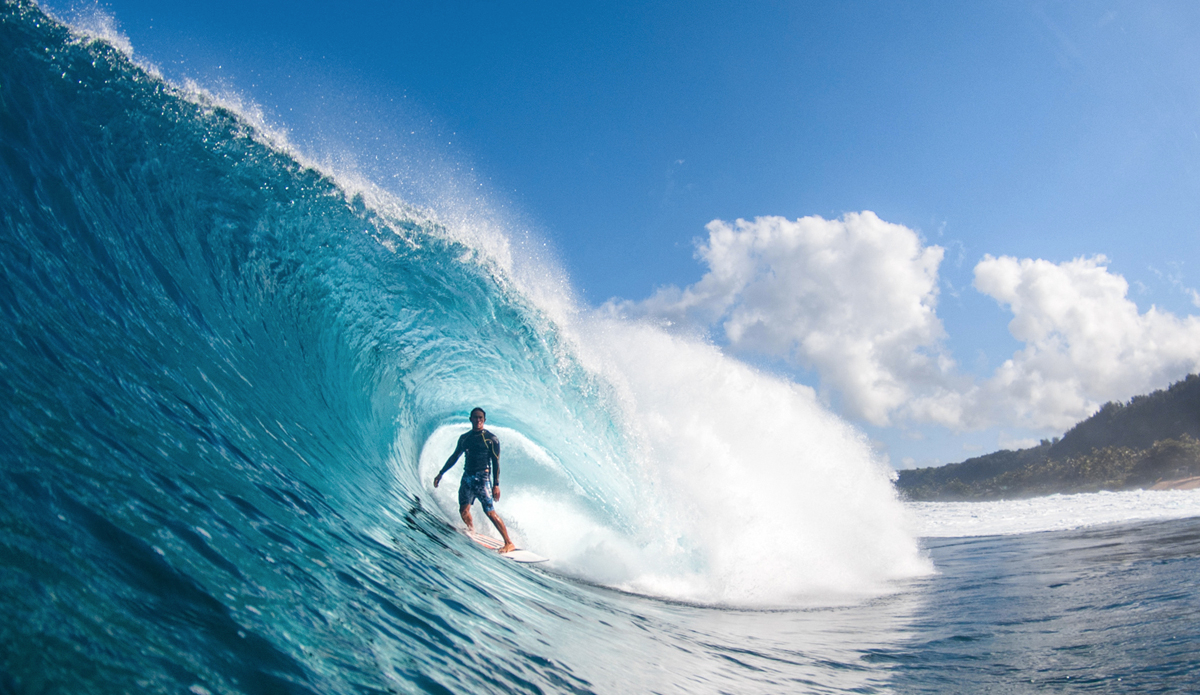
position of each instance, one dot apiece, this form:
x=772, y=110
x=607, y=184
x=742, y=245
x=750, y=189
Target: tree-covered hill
x=1123, y=446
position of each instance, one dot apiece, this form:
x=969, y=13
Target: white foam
x=741, y=489
x=1052, y=513
x=761, y=496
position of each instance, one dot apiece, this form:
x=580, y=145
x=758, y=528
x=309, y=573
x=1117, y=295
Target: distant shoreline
x=1180, y=484
x=1151, y=442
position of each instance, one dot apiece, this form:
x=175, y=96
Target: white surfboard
x=518, y=555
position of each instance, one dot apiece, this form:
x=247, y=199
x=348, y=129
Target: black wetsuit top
x=483, y=452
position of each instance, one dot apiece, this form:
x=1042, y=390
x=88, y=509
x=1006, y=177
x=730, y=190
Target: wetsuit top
x=483, y=452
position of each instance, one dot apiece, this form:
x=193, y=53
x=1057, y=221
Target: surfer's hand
x=496, y=492
x=437, y=479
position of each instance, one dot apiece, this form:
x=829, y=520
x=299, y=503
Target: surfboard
x=518, y=555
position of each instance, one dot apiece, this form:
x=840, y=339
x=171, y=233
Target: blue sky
x=1040, y=132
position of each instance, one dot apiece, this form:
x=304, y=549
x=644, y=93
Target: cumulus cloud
x=1085, y=341
x=854, y=298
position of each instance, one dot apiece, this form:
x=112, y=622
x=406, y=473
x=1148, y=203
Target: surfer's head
x=478, y=417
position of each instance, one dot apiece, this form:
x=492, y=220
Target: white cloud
x=853, y=298
x=1085, y=341
x=1008, y=441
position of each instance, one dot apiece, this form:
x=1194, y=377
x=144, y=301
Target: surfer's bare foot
x=507, y=548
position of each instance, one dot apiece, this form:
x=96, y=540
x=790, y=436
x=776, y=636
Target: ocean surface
x=229, y=376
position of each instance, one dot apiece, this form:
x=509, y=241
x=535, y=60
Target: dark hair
x=480, y=411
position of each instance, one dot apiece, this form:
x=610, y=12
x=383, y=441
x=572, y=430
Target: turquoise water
x=229, y=377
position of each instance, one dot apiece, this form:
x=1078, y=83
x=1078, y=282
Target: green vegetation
x=1124, y=446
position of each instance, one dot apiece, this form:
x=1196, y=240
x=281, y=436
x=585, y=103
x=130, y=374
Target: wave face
x=229, y=380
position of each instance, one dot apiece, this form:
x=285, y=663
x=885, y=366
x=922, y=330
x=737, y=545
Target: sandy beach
x=1181, y=484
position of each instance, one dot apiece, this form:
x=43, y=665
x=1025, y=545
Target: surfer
x=482, y=466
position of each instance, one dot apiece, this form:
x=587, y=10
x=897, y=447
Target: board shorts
x=477, y=486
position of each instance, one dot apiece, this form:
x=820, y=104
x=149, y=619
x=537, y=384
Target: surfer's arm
x=494, y=453
x=449, y=463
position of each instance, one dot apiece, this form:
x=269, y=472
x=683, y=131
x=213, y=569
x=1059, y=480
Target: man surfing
x=482, y=466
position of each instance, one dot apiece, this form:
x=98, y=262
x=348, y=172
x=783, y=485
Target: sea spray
x=739, y=488
x=772, y=498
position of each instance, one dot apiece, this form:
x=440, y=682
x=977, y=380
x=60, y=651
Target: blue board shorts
x=477, y=486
